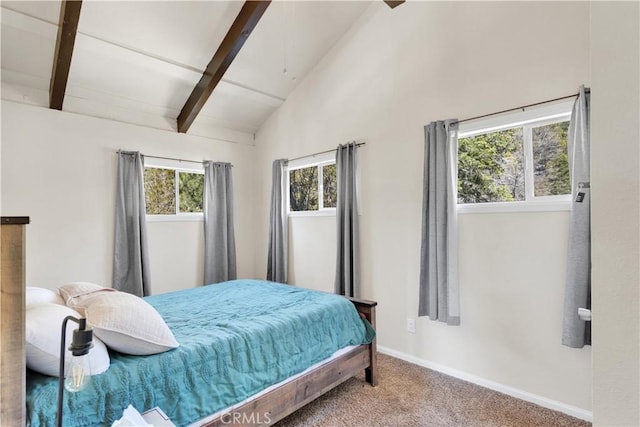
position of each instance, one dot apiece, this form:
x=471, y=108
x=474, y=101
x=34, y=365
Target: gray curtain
x=348, y=254
x=576, y=332
x=219, y=240
x=439, y=291
x=131, y=253
x=277, y=262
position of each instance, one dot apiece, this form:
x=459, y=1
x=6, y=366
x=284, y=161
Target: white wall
x=615, y=175
x=312, y=255
x=60, y=169
x=395, y=71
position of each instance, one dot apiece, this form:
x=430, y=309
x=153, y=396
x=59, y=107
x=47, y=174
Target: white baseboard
x=511, y=391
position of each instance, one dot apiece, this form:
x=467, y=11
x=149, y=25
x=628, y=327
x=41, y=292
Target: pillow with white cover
x=36, y=295
x=125, y=322
x=43, y=325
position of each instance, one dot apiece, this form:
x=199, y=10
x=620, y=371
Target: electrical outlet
x=411, y=326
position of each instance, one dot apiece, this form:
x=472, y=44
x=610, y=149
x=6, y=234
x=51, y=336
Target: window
x=491, y=167
x=173, y=193
x=312, y=188
x=551, y=159
x=312, y=185
x=520, y=160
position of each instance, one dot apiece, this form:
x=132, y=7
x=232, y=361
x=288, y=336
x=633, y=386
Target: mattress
x=236, y=339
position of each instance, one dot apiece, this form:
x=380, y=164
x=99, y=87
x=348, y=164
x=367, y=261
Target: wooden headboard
x=12, y=308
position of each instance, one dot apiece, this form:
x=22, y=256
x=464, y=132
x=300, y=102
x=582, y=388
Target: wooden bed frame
x=291, y=396
x=266, y=409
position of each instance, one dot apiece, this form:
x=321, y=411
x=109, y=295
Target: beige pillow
x=42, y=335
x=78, y=294
x=125, y=322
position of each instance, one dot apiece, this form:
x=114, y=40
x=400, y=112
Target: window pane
x=329, y=186
x=491, y=167
x=160, y=191
x=303, y=189
x=191, y=191
x=550, y=160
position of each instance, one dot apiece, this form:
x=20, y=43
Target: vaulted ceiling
x=139, y=61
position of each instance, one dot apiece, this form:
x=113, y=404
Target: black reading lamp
x=79, y=369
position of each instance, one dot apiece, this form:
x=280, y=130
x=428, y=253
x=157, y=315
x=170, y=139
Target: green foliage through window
x=191, y=191
x=160, y=191
x=491, y=166
x=551, y=159
x=329, y=186
x=305, y=191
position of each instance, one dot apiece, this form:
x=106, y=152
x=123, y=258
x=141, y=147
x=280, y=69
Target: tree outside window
x=492, y=165
x=312, y=188
x=161, y=197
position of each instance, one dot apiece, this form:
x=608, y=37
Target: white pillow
x=124, y=322
x=35, y=295
x=43, y=329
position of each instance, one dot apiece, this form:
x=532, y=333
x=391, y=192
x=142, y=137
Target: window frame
x=177, y=167
x=527, y=119
x=319, y=161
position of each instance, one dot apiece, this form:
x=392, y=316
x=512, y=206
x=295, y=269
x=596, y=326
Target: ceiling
x=138, y=61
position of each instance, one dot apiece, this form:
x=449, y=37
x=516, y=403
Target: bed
x=261, y=387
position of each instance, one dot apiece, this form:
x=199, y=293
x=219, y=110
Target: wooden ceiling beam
x=237, y=35
x=392, y=3
x=67, y=28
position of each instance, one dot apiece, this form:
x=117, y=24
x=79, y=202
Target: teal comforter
x=236, y=338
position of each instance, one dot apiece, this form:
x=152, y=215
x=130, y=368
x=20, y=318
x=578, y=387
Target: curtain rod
x=164, y=158
x=321, y=152
x=587, y=90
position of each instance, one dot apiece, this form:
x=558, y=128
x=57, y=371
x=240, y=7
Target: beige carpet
x=410, y=395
